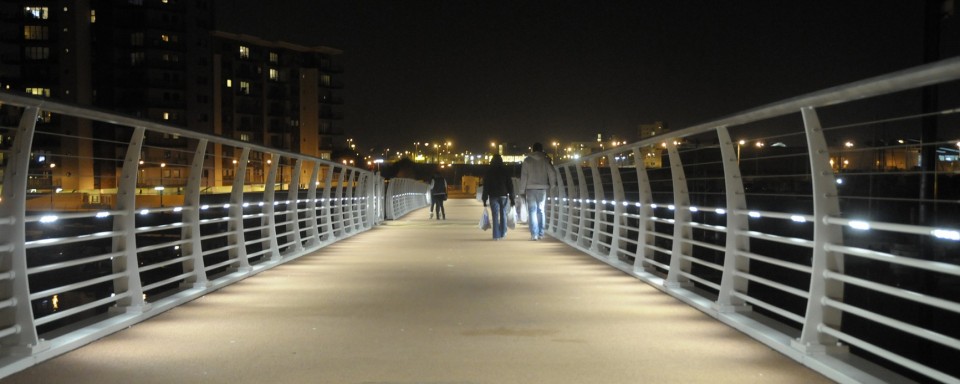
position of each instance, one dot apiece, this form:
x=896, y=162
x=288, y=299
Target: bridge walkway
x=426, y=301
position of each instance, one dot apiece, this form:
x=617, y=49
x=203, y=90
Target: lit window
x=93, y=16
x=165, y=38
x=244, y=52
x=245, y=137
x=41, y=13
x=245, y=87
x=166, y=115
x=39, y=91
x=229, y=83
x=274, y=57
x=35, y=32
x=274, y=74
x=137, y=58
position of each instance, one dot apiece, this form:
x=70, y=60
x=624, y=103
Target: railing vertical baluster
x=598, y=206
x=191, y=221
x=569, y=227
x=15, y=176
x=312, y=232
x=737, y=227
x=645, y=212
x=825, y=204
x=269, y=220
x=235, y=227
x=616, y=182
x=349, y=218
x=583, y=202
x=326, y=213
x=338, y=196
x=129, y=286
x=681, y=220
x=293, y=195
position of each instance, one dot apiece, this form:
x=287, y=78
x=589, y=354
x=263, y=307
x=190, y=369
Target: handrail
x=811, y=257
x=149, y=251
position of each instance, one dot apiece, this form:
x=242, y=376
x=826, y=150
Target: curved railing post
x=571, y=207
x=337, y=217
x=825, y=204
x=237, y=237
x=644, y=212
x=293, y=204
x=129, y=287
x=737, y=227
x=598, y=206
x=191, y=221
x=681, y=221
x=269, y=220
x=312, y=232
x=17, y=316
x=619, y=197
x=326, y=212
x=583, y=201
x=350, y=215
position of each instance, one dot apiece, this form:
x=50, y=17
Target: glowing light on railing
x=720, y=211
x=946, y=234
x=260, y=204
x=204, y=207
x=798, y=218
x=225, y=206
x=694, y=209
x=604, y=202
x=245, y=205
x=103, y=214
x=48, y=219
x=754, y=214
x=178, y=209
x=671, y=207
x=639, y=204
x=144, y=211
x=654, y=206
x=176, y=247
x=839, y=181
x=859, y=224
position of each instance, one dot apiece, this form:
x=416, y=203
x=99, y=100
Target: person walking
x=537, y=176
x=438, y=194
x=498, y=189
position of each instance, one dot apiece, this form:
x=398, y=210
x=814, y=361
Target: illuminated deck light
x=48, y=218
x=859, y=224
x=946, y=234
x=721, y=211
x=103, y=214
x=144, y=211
x=798, y=218
x=754, y=214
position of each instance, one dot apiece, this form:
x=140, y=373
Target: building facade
x=161, y=60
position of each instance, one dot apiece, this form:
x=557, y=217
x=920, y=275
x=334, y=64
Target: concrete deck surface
x=427, y=301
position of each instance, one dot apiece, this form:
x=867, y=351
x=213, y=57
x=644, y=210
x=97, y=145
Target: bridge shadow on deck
x=429, y=301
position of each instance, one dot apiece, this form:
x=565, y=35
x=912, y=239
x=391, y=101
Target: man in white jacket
x=537, y=176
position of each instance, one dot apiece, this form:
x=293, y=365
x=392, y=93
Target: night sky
x=475, y=71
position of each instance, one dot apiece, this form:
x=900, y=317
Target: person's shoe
x=431, y=215
x=533, y=238
x=444, y=216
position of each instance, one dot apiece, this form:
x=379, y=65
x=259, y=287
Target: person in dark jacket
x=498, y=189
x=438, y=194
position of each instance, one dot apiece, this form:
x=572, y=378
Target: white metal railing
x=804, y=223
x=405, y=195
x=103, y=243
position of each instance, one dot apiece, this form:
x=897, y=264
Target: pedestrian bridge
x=426, y=301
x=818, y=234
